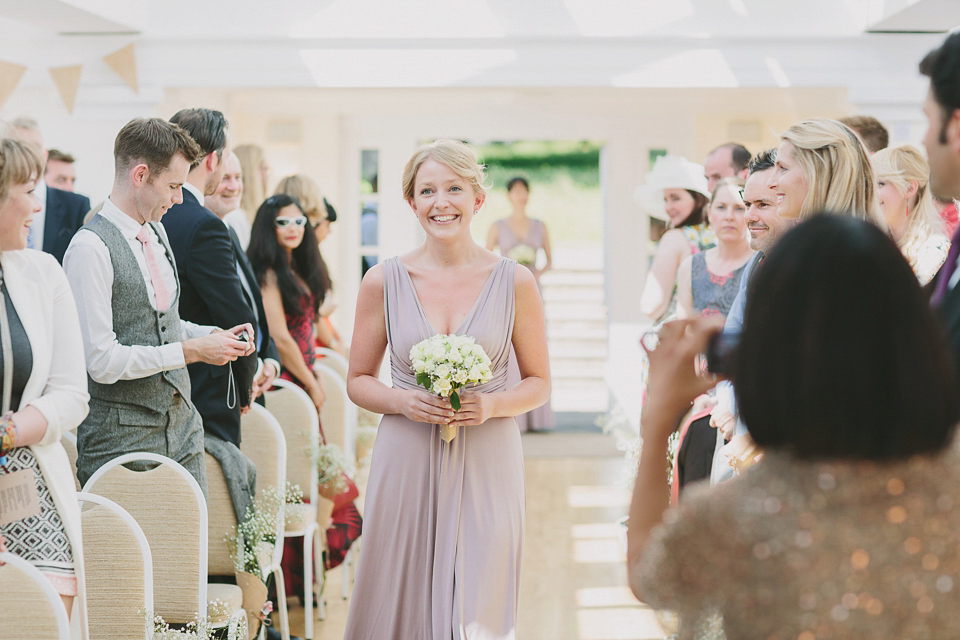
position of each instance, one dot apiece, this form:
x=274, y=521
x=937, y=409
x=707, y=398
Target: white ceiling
x=481, y=43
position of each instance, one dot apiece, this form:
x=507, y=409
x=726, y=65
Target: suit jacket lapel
x=950, y=312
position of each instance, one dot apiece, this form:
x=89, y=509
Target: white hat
x=669, y=172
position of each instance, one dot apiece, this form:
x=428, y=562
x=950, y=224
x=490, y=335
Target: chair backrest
x=296, y=415
x=118, y=568
x=338, y=414
x=264, y=443
x=169, y=506
x=333, y=360
x=31, y=606
x=221, y=518
x=69, y=441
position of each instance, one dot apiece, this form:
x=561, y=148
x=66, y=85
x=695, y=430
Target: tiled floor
x=573, y=585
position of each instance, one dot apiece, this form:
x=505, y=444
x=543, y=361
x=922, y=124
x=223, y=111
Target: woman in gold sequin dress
x=849, y=527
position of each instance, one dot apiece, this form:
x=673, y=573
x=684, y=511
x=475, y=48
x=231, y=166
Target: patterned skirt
x=41, y=539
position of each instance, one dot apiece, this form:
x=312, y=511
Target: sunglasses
x=299, y=221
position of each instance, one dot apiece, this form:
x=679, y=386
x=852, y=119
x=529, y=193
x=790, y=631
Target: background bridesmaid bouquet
x=446, y=363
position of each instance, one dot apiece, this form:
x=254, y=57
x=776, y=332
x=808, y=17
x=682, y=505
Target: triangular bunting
x=9, y=77
x=124, y=63
x=67, y=80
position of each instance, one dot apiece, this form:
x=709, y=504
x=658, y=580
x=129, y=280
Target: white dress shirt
x=35, y=239
x=238, y=221
x=90, y=272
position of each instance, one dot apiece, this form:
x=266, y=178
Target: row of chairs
x=153, y=529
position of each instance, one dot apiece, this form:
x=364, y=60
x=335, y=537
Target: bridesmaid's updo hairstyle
x=19, y=163
x=461, y=159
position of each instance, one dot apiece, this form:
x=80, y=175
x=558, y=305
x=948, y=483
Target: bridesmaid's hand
x=475, y=408
x=421, y=406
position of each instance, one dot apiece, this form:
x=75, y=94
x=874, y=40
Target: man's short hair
x=153, y=142
x=942, y=66
x=55, y=155
x=207, y=127
x=762, y=161
x=739, y=155
x=873, y=134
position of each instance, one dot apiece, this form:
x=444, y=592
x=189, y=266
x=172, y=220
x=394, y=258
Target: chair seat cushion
x=228, y=593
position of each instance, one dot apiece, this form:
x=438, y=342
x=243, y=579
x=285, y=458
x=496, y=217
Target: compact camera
x=722, y=352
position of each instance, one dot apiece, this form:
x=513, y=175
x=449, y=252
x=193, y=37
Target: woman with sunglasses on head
x=287, y=263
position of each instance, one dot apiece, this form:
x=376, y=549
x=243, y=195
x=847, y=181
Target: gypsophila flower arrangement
x=201, y=627
x=254, y=538
x=333, y=469
x=447, y=363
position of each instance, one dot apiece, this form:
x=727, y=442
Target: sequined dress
x=808, y=550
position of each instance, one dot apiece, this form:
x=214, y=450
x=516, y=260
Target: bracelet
x=8, y=435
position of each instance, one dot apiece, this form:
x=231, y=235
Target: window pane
x=368, y=223
x=369, y=170
x=367, y=262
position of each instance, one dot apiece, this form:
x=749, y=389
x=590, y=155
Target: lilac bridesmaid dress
x=541, y=418
x=444, y=521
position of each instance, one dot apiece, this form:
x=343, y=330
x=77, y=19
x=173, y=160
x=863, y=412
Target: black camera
x=722, y=352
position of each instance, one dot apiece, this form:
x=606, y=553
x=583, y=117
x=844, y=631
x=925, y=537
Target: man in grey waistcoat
x=124, y=278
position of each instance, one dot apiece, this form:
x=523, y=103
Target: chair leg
x=282, y=603
x=308, y=585
x=321, y=574
x=345, y=575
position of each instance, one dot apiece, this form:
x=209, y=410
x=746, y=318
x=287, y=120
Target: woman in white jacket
x=46, y=387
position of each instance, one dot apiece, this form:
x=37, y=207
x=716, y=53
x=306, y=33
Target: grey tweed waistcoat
x=136, y=322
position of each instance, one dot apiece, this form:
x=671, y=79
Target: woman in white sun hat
x=676, y=192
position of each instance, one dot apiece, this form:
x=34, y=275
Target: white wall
x=332, y=126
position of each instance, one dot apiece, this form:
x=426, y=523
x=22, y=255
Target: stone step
x=579, y=396
x=568, y=293
x=559, y=348
x=583, y=278
x=577, y=330
x=578, y=370
x=566, y=311
x=568, y=351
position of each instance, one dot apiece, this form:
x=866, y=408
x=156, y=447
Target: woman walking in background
x=522, y=238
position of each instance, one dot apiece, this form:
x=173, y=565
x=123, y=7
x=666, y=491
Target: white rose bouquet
x=524, y=254
x=446, y=363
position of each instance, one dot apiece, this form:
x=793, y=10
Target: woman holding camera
x=847, y=527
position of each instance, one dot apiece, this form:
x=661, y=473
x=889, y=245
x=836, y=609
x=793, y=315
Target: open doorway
x=565, y=194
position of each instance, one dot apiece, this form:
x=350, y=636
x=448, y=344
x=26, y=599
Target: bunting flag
x=9, y=77
x=67, y=80
x=124, y=64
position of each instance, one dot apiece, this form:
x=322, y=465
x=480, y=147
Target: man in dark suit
x=217, y=282
x=942, y=141
x=62, y=212
x=211, y=294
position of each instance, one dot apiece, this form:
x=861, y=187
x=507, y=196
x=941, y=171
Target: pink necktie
x=156, y=278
